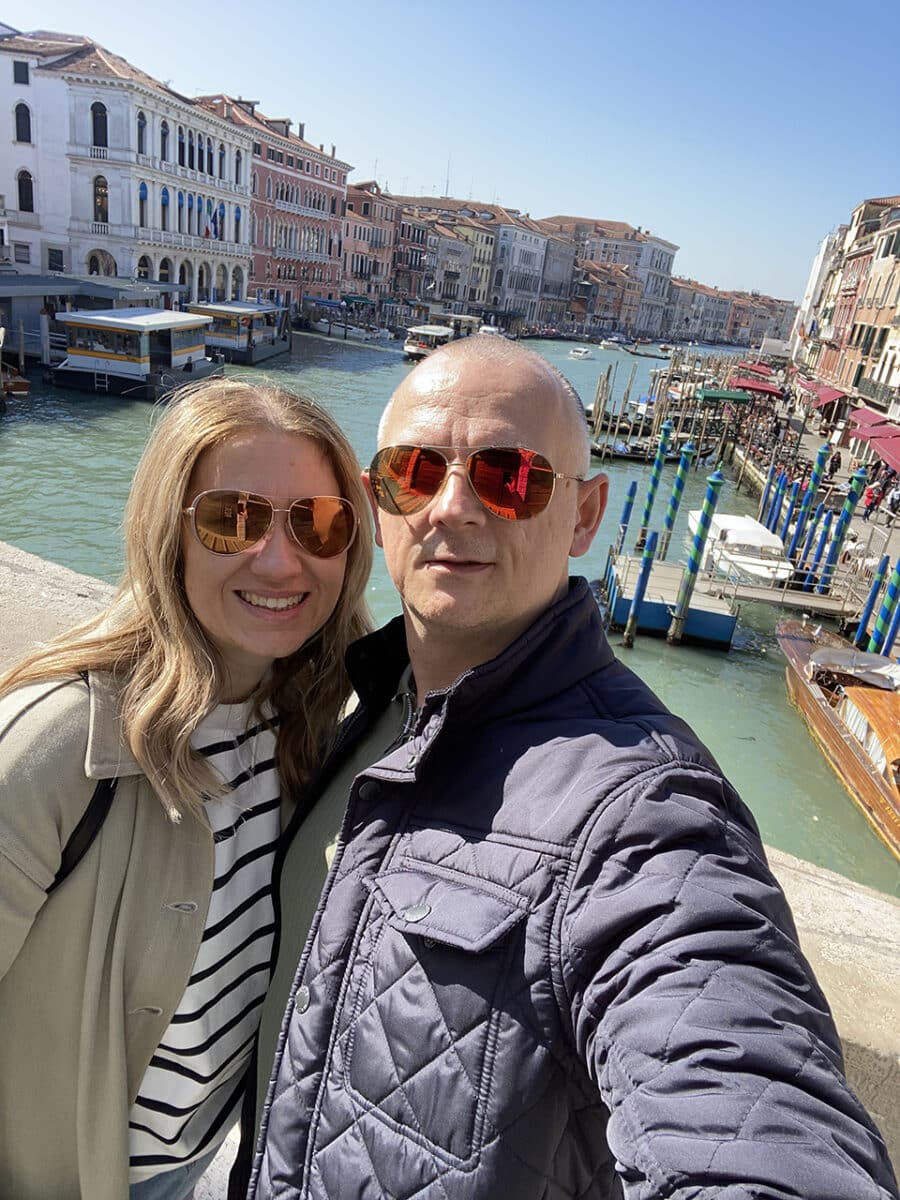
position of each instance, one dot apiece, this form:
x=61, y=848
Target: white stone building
x=654, y=269
x=129, y=177
x=517, y=269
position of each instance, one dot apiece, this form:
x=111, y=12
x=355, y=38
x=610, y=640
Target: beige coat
x=90, y=978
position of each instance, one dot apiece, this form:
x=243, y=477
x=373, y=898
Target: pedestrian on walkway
x=834, y=465
x=871, y=499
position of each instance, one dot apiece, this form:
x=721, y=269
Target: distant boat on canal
x=850, y=700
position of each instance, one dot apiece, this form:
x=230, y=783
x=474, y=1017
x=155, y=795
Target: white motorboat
x=423, y=340
x=581, y=352
x=743, y=549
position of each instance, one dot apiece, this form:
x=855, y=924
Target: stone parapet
x=850, y=934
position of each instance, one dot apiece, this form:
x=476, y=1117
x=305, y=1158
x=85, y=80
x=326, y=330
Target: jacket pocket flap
x=447, y=906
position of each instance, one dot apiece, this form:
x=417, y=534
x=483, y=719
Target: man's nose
x=456, y=501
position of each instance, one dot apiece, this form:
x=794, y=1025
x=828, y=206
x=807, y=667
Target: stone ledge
x=849, y=933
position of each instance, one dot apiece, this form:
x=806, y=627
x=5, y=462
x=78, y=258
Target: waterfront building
x=605, y=298
x=876, y=331
x=654, y=269
x=556, y=281
x=453, y=265
x=370, y=224
x=805, y=333
x=297, y=196
x=696, y=312
x=598, y=241
x=124, y=176
x=409, y=264
x=481, y=238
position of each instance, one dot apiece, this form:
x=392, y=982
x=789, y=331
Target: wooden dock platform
x=711, y=620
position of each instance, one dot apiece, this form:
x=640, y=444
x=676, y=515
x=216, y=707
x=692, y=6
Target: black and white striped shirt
x=190, y=1094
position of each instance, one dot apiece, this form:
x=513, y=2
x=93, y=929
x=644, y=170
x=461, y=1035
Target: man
x=550, y=959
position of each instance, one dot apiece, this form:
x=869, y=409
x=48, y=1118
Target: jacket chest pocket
x=421, y=1038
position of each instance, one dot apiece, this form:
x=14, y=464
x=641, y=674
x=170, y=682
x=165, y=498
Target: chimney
x=301, y=130
x=227, y=110
x=322, y=147
x=332, y=150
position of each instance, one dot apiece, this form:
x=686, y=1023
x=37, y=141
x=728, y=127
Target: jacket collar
x=567, y=640
x=108, y=755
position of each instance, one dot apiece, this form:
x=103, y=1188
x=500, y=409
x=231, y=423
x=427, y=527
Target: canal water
x=66, y=461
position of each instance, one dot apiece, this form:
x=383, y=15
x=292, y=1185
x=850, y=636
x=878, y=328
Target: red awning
x=827, y=395
x=871, y=433
x=867, y=416
x=756, y=368
x=889, y=452
x=755, y=385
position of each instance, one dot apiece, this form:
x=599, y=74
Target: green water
x=65, y=465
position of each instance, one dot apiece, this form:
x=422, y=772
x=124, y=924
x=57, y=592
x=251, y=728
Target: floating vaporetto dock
x=710, y=620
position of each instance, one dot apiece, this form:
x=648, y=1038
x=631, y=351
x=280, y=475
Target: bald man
x=549, y=959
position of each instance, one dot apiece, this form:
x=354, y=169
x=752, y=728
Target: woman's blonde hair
x=149, y=639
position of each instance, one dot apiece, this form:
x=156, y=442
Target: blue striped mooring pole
x=684, y=466
x=891, y=636
x=874, y=592
x=764, y=498
x=664, y=435
x=857, y=484
x=820, y=550
x=792, y=504
x=809, y=497
x=886, y=612
x=626, y=514
x=777, y=500
x=640, y=588
x=811, y=533
x=679, y=617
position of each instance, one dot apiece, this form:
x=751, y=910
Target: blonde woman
x=130, y=996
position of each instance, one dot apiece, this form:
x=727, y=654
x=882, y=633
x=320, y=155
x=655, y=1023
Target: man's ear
x=592, y=497
x=376, y=511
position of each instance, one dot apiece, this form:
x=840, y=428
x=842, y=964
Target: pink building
x=298, y=193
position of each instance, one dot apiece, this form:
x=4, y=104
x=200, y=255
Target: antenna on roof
x=447, y=181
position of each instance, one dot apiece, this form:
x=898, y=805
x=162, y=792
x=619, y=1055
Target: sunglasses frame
x=191, y=511
x=466, y=453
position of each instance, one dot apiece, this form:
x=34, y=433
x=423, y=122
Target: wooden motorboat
x=11, y=382
x=850, y=701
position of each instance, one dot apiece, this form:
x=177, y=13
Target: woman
x=129, y=999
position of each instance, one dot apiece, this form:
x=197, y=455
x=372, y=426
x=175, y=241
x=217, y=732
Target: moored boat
x=141, y=353
x=741, y=547
x=245, y=332
x=850, y=700
x=11, y=382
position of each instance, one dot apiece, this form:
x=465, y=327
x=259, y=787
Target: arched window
x=209, y=157
x=180, y=207
x=23, y=123
x=254, y=184
x=26, y=191
x=143, y=268
x=190, y=161
x=253, y=228
x=268, y=234
x=221, y=221
x=164, y=208
x=237, y=166
x=221, y=161
x=93, y=265
x=141, y=133
x=180, y=146
x=190, y=217
x=98, y=124
x=142, y=205
x=165, y=271
x=164, y=141
x=101, y=199
x=237, y=222
x=269, y=188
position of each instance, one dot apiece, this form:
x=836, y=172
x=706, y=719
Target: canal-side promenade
x=850, y=934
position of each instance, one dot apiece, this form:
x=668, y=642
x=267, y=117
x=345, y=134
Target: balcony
x=301, y=210
x=882, y=393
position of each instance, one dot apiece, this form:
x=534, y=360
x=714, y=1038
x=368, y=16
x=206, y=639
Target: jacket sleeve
x=696, y=1013
x=43, y=792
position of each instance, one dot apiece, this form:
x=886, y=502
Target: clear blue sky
x=743, y=138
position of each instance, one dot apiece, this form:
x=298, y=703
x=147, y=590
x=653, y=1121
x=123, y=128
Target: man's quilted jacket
x=551, y=961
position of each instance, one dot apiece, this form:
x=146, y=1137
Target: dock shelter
x=245, y=332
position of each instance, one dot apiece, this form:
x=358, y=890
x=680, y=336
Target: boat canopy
x=873, y=717
x=872, y=669
x=436, y=331
x=134, y=320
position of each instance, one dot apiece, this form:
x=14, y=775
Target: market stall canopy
x=867, y=416
x=889, y=452
x=720, y=396
x=756, y=385
x=822, y=391
x=756, y=368
x=872, y=433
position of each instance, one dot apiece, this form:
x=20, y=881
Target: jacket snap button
x=301, y=1000
x=417, y=912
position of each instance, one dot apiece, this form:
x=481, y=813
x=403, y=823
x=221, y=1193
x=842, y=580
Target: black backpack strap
x=85, y=831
